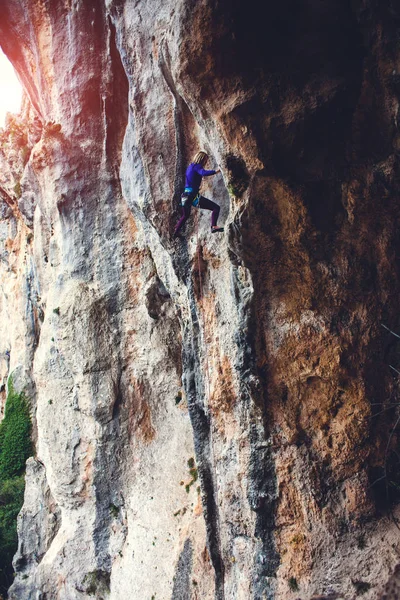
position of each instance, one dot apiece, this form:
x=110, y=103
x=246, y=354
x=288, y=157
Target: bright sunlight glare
x=10, y=89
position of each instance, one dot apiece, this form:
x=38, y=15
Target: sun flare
x=10, y=89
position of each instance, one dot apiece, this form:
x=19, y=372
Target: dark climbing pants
x=203, y=203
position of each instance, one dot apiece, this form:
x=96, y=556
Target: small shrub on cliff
x=362, y=587
x=17, y=190
x=15, y=448
x=293, y=585
x=11, y=500
x=15, y=436
x=97, y=583
x=114, y=510
x=361, y=543
x=238, y=175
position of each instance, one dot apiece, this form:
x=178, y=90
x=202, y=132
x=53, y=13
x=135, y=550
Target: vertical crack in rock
x=181, y=589
x=107, y=483
x=194, y=378
x=195, y=388
x=195, y=391
x=262, y=488
x=262, y=496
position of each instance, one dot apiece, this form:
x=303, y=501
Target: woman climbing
x=191, y=197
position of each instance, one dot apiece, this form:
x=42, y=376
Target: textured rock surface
x=214, y=418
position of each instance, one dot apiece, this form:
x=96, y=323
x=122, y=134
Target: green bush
x=15, y=436
x=18, y=189
x=293, y=585
x=15, y=448
x=11, y=500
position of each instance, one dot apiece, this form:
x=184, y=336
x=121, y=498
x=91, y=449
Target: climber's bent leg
x=184, y=217
x=210, y=205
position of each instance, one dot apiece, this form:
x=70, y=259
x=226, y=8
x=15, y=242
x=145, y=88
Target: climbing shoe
x=216, y=229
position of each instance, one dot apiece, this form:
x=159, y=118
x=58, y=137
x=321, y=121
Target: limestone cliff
x=214, y=417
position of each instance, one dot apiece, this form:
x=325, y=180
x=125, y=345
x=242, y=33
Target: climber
x=191, y=197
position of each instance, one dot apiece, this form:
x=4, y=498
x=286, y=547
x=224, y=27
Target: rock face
x=215, y=417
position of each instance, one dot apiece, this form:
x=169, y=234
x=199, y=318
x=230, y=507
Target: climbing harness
x=186, y=196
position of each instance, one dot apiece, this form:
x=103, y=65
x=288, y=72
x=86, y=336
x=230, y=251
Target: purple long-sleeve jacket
x=194, y=175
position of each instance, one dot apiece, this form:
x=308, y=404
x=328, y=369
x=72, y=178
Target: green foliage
x=293, y=585
x=193, y=473
x=91, y=582
x=233, y=191
x=11, y=500
x=97, y=583
x=361, y=543
x=15, y=448
x=114, y=510
x=17, y=189
x=362, y=587
x=238, y=175
x=15, y=436
x=56, y=311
